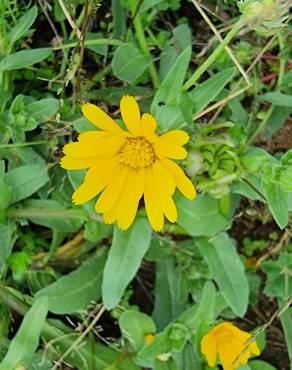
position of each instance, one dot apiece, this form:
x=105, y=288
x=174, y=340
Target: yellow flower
x=228, y=343
x=124, y=165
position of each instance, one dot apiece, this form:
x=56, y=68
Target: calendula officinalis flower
x=125, y=165
x=228, y=343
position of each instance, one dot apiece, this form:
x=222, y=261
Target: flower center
x=137, y=153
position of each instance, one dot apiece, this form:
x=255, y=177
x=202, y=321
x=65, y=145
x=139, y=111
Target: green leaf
x=195, y=216
x=26, y=340
x=134, y=326
x=6, y=241
x=119, y=19
x=52, y=214
x=5, y=190
x=129, y=63
x=254, y=159
x=278, y=98
x=228, y=271
x=170, y=87
x=74, y=292
x=171, y=292
x=286, y=321
x=278, y=202
x=279, y=276
x=124, y=260
x=23, y=25
x=26, y=180
x=260, y=365
x=43, y=109
x=24, y=58
x=210, y=89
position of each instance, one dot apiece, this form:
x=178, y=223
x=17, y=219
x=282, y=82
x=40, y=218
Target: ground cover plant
x=145, y=184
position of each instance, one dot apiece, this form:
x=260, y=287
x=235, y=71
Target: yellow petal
x=163, y=179
x=152, y=202
x=149, y=125
x=99, y=118
x=209, y=349
x=70, y=163
x=125, y=208
x=95, y=180
x=131, y=114
x=132, y=193
x=227, y=355
x=111, y=193
x=163, y=149
x=169, y=209
x=93, y=147
x=175, y=137
x=253, y=347
x=183, y=183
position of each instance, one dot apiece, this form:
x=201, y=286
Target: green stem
x=271, y=109
x=36, y=212
x=211, y=59
x=89, y=43
x=19, y=145
x=143, y=43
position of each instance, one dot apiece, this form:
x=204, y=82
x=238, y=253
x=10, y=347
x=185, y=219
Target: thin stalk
x=211, y=59
x=36, y=212
x=19, y=145
x=89, y=43
x=271, y=109
x=143, y=43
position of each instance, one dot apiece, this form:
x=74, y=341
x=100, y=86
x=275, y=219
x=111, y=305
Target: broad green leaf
x=74, y=292
x=134, y=326
x=24, y=58
x=278, y=98
x=26, y=180
x=129, y=63
x=286, y=321
x=195, y=216
x=260, y=365
x=26, y=340
x=52, y=214
x=124, y=259
x=228, y=271
x=210, y=89
x=171, y=292
x=43, y=109
x=278, y=202
x=170, y=87
x=170, y=364
x=23, y=25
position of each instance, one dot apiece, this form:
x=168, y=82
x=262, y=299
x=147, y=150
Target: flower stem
x=211, y=59
x=143, y=42
x=19, y=145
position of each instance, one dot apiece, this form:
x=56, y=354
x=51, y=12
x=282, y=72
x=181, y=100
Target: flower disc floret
x=137, y=153
x=125, y=166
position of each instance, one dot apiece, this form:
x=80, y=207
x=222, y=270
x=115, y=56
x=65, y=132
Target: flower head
x=125, y=165
x=228, y=343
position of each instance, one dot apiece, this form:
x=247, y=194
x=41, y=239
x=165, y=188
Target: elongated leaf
x=7, y=240
x=124, y=260
x=26, y=340
x=171, y=292
x=23, y=25
x=286, y=321
x=227, y=269
x=26, y=180
x=260, y=365
x=195, y=216
x=129, y=63
x=24, y=58
x=278, y=98
x=43, y=109
x=278, y=202
x=172, y=84
x=74, y=292
x=208, y=90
